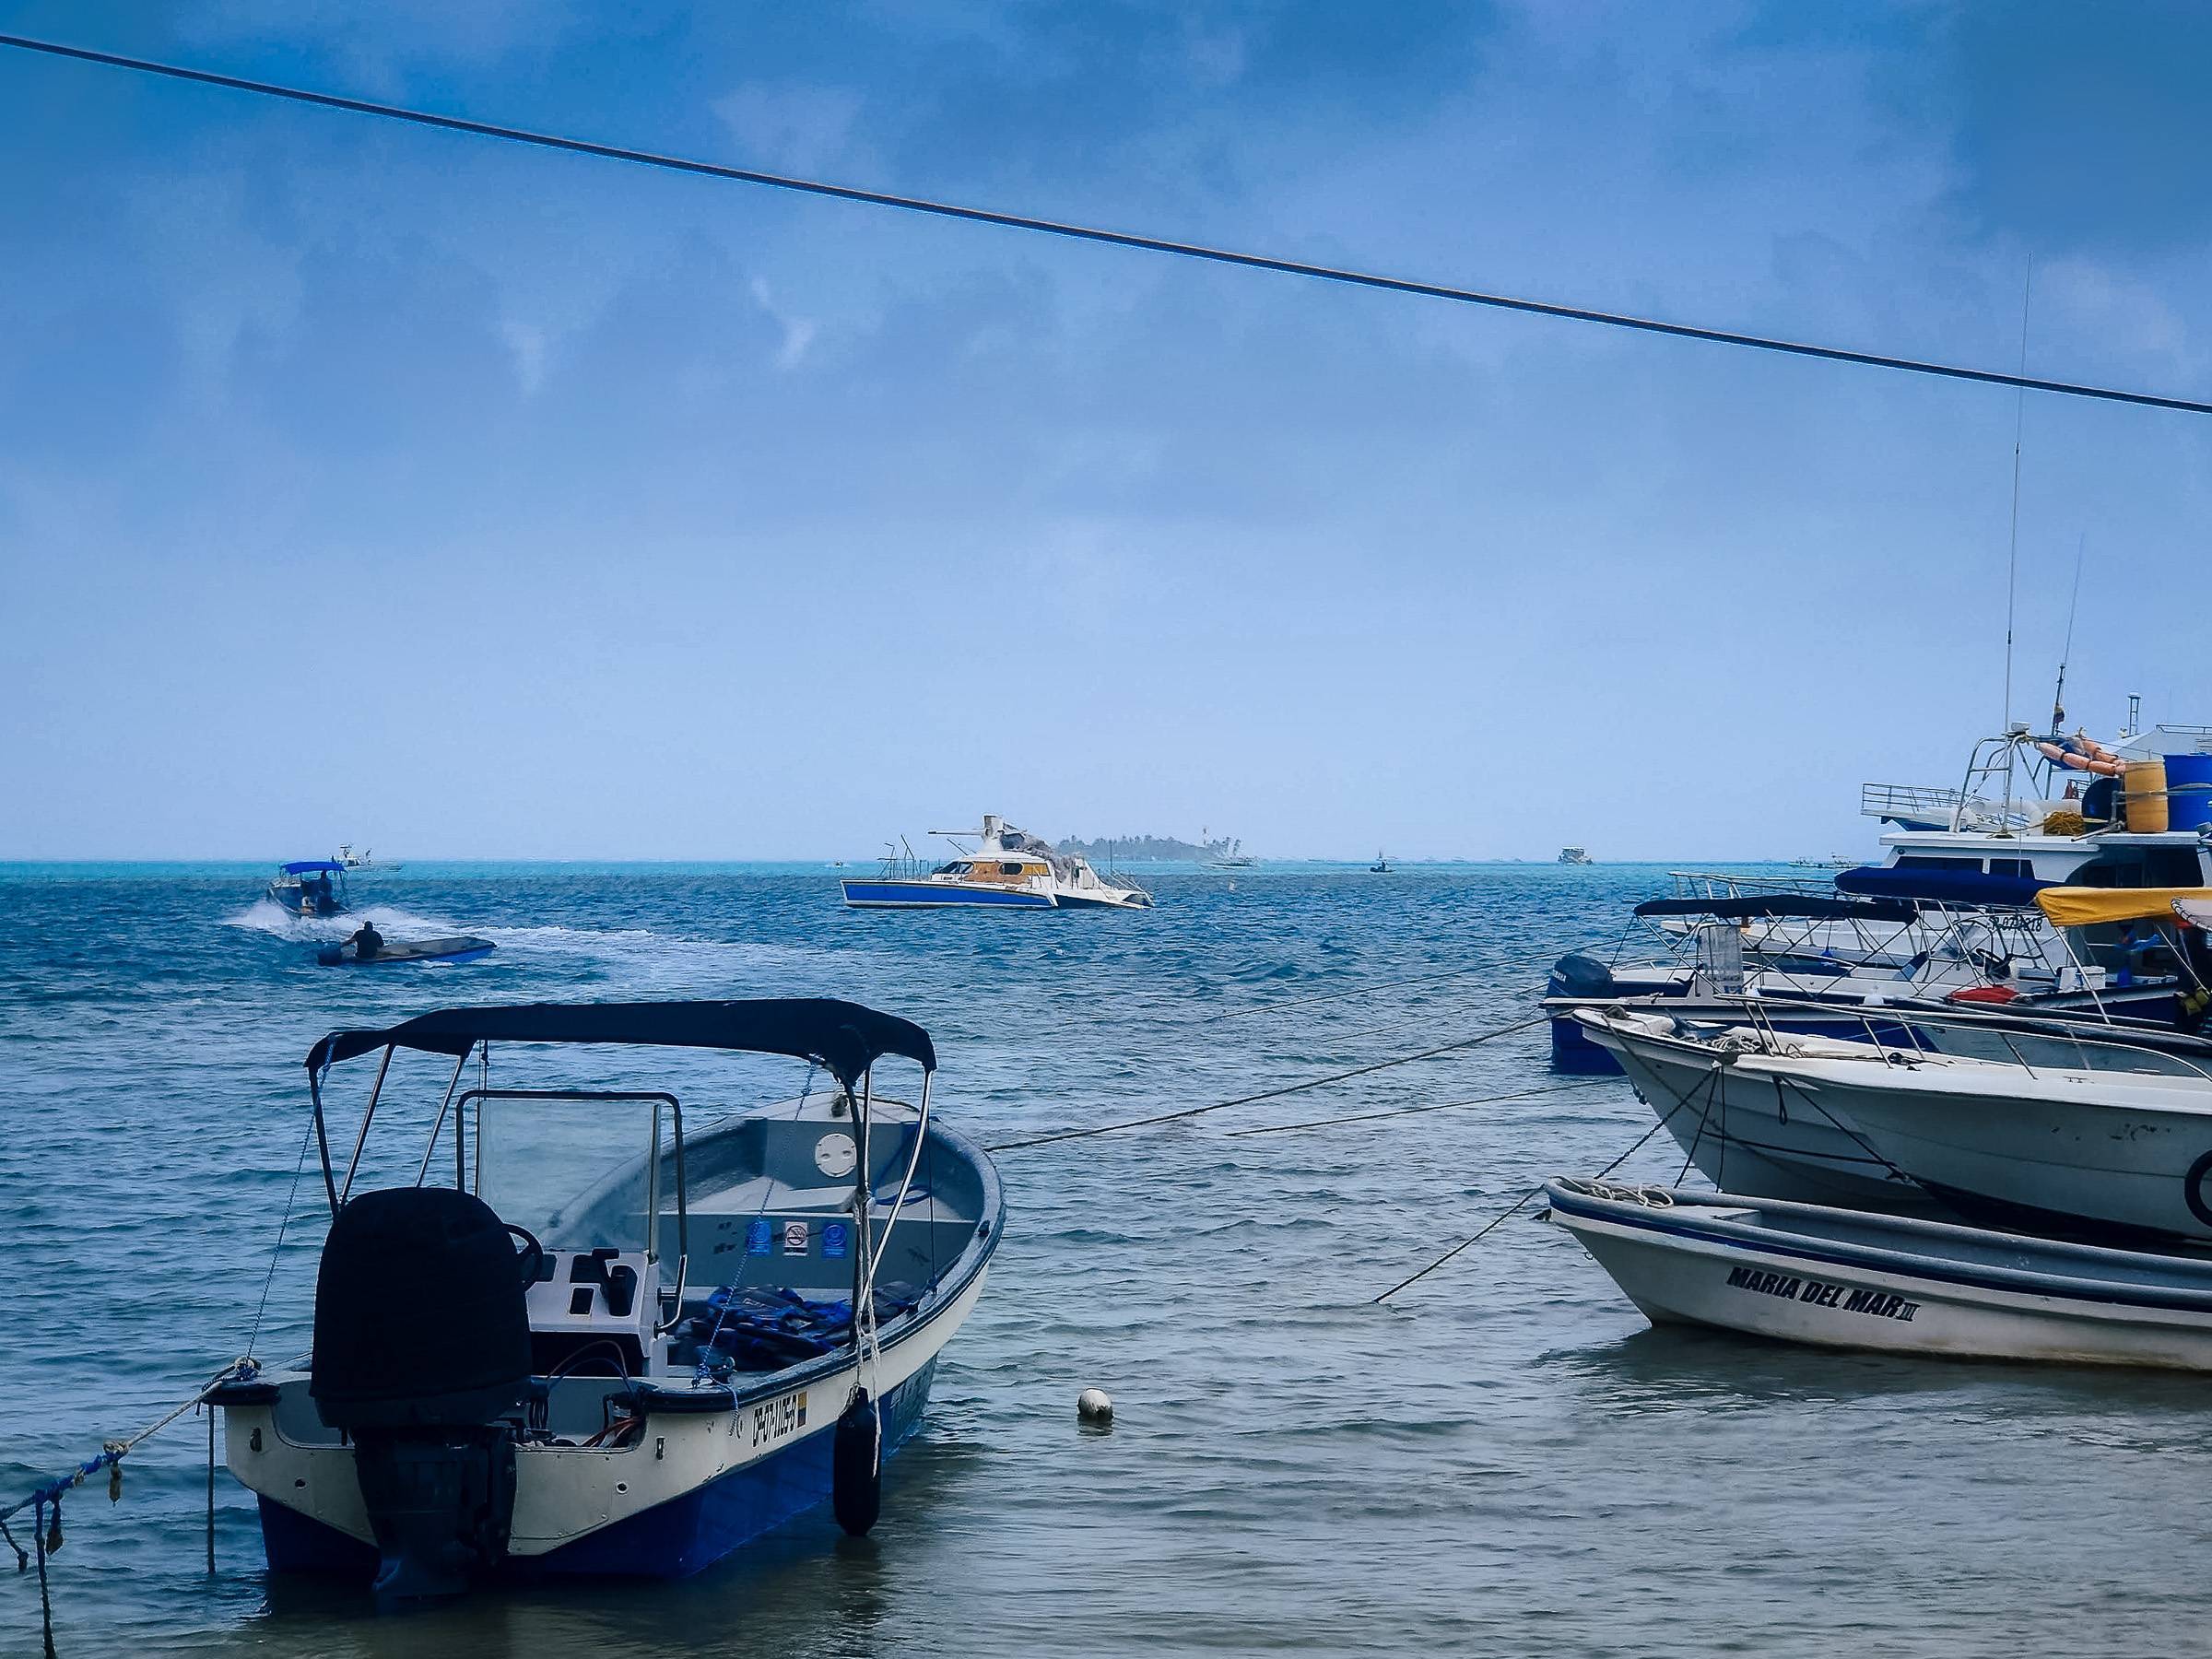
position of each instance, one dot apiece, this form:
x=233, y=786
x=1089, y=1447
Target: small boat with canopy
x=310, y=887
x=584, y=1335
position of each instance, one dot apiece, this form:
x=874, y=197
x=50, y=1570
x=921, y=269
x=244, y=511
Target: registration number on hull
x=779, y=1418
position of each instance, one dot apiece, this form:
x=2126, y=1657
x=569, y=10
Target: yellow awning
x=2078, y=907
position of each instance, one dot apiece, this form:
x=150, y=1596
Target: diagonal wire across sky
x=1091, y=233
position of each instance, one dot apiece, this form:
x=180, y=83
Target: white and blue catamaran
x=1005, y=869
x=589, y=1337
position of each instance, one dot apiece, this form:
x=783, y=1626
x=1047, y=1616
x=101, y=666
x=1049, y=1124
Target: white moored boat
x=704, y=1334
x=1967, y=1107
x=1843, y=1278
x=1006, y=869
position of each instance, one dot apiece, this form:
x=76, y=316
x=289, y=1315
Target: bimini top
x=310, y=867
x=1940, y=886
x=842, y=1037
x=2081, y=907
x=1784, y=905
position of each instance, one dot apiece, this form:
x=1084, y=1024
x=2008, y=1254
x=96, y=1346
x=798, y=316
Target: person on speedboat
x=366, y=942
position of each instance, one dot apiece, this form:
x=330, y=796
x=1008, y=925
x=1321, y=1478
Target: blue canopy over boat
x=1940, y=886
x=1781, y=907
x=310, y=867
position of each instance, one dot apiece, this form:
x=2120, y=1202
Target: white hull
x=565, y=1494
x=2118, y=1149
x=1790, y=1295
x=1745, y=1136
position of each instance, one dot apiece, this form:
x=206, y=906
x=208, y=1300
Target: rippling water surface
x=1505, y=1459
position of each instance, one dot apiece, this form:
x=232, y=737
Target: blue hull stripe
x=911, y=895
x=673, y=1539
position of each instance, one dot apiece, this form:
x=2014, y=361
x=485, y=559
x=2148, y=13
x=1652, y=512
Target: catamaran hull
x=1675, y=1275
x=927, y=895
x=1746, y=1135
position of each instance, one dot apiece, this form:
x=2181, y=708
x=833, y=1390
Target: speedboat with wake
x=1004, y=869
x=310, y=887
x=594, y=1338
x=1839, y=1279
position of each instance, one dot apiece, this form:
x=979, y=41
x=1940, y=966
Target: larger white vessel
x=1005, y=869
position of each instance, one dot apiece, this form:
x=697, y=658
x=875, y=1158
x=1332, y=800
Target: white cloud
x=798, y=331
x=526, y=342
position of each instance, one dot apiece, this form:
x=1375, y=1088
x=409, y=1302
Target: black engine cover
x=421, y=1313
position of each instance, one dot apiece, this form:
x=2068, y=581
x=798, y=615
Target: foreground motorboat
x=1843, y=1278
x=615, y=1342
x=1004, y=869
x=310, y=887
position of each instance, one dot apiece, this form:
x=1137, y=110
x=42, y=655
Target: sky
x=365, y=482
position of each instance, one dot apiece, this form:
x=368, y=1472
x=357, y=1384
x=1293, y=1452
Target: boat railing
x=1919, y=804
x=1875, y=1019
x=1725, y=884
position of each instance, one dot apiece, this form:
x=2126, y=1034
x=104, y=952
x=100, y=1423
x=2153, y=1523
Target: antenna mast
x=2058, y=698
x=2012, y=556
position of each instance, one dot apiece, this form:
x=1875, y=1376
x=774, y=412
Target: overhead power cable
x=1121, y=239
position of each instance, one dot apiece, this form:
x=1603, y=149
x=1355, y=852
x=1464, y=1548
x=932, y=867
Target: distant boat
x=1380, y=866
x=310, y=887
x=363, y=860
x=1234, y=858
x=1575, y=856
x=1006, y=869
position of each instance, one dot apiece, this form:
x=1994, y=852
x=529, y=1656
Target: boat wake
x=264, y=917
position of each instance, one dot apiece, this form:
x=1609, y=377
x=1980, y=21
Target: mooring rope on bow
x=1269, y=1094
x=113, y=1452
x=1368, y=1117
x=1499, y=1219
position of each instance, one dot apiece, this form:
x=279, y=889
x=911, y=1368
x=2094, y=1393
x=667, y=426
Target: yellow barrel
x=2144, y=783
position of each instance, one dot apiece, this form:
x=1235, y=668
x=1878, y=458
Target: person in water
x=367, y=942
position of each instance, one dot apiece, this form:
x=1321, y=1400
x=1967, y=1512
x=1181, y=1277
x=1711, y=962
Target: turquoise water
x=1506, y=1459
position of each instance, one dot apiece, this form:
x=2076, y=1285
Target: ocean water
x=1505, y=1459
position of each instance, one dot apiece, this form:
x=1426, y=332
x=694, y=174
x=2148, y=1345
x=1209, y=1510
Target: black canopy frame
x=843, y=1038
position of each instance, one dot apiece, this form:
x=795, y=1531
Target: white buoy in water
x=1093, y=1406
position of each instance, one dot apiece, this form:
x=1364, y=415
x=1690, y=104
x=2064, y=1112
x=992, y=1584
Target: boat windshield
x=574, y=1172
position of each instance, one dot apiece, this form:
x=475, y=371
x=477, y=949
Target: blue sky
x=364, y=483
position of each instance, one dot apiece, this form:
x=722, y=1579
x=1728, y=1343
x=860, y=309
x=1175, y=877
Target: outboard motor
x=1585, y=979
x=422, y=1348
